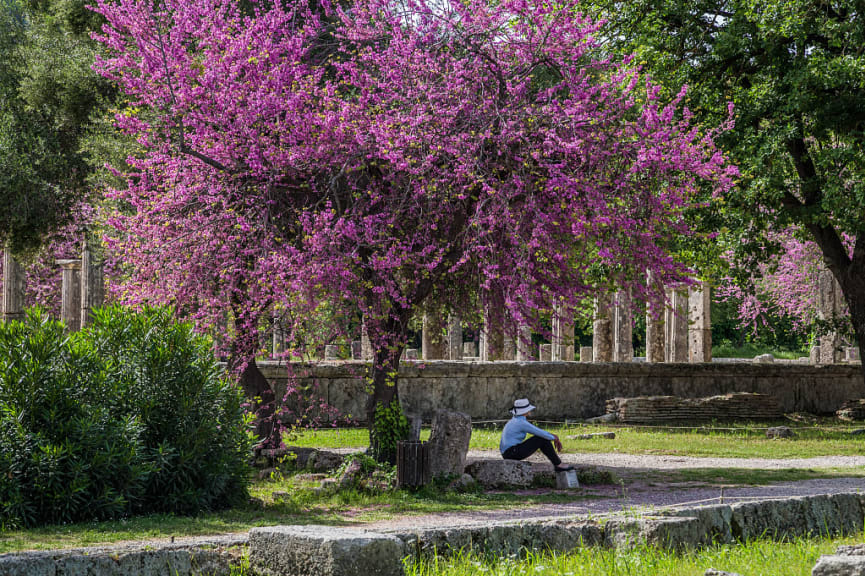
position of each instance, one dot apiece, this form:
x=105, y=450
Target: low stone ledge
x=675, y=529
x=799, y=516
x=324, y=551
x=504, y=537
x=190, y=557
x=847, y=561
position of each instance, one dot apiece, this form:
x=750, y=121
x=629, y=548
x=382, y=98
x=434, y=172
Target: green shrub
x=131, y=415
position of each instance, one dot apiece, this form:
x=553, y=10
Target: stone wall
x=563, y=390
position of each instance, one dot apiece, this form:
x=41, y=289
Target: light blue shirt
x=515, y=432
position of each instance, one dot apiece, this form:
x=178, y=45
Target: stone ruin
x=653, y=409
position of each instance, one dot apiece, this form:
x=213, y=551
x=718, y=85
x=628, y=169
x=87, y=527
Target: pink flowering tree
x=784, y=280
x=393, y=155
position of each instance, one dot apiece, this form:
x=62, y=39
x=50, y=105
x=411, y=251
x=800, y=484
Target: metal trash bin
x=412, y=464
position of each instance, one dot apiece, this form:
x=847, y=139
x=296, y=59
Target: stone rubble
x=652, y=409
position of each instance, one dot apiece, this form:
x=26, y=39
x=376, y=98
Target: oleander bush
x=131, y=415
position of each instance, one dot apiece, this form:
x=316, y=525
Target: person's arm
x=532, y=429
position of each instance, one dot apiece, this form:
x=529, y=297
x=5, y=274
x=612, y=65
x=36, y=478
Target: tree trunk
x=853, y=288
x=385, y=420
x=263, y=403
x=255, y=386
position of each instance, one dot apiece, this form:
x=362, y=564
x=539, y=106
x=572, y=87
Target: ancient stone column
x=654, y=330
x=70, y=299
x=545, y=352
x=432, y=338
x=563, y=334
x=509, y=348
x=524, y=343
x=676, y=326
x=455, y=338
x=623, y=328
x=585, y=353
x=92, y=285
x=602, y=331
x=700, y=323
x=831, y=304
x=13, y=288
x=366, y=351
x=470, y=349
x=492, y=341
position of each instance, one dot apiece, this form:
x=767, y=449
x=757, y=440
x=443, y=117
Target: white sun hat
x=522, y=406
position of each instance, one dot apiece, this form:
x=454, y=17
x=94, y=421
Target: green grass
x=741, y=440
x=756, y=558
x=302, y=506
x=750, y=350
x=744, y=476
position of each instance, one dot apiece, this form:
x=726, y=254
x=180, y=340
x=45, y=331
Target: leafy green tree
x=48, y=96
x=794, y=71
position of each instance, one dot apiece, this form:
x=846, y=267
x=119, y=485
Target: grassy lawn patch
x=750, y=350
x=740, y=440
x=746, y=476
x=300, y=505
x=756, y=558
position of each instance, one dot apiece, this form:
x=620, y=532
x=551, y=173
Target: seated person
x=513, y=445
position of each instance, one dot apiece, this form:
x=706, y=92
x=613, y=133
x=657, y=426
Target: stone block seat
x=500, y=473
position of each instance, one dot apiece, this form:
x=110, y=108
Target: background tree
x=793, y=68
x=48, y=95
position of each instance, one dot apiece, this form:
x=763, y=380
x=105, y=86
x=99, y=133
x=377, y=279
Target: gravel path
x=661, y=462
x=645, y=496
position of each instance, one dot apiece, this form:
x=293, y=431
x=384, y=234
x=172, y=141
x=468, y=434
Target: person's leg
x=530, y=446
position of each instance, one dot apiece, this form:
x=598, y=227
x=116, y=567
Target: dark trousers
x=531, y=445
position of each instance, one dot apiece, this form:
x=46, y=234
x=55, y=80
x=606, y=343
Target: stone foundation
x=563, y=390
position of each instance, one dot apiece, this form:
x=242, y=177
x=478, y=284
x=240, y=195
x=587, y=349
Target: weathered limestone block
x=213, y=555
x=567, y=480
x=585, y=353
x=13, y=288
x=501, y=473
x=324, y=551
x=779, y=432
x=331, y=352
x=847, y=561
x=449, y=443
x=356, y=350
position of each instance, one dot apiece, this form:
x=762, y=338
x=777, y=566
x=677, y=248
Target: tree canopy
x=793, y=69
